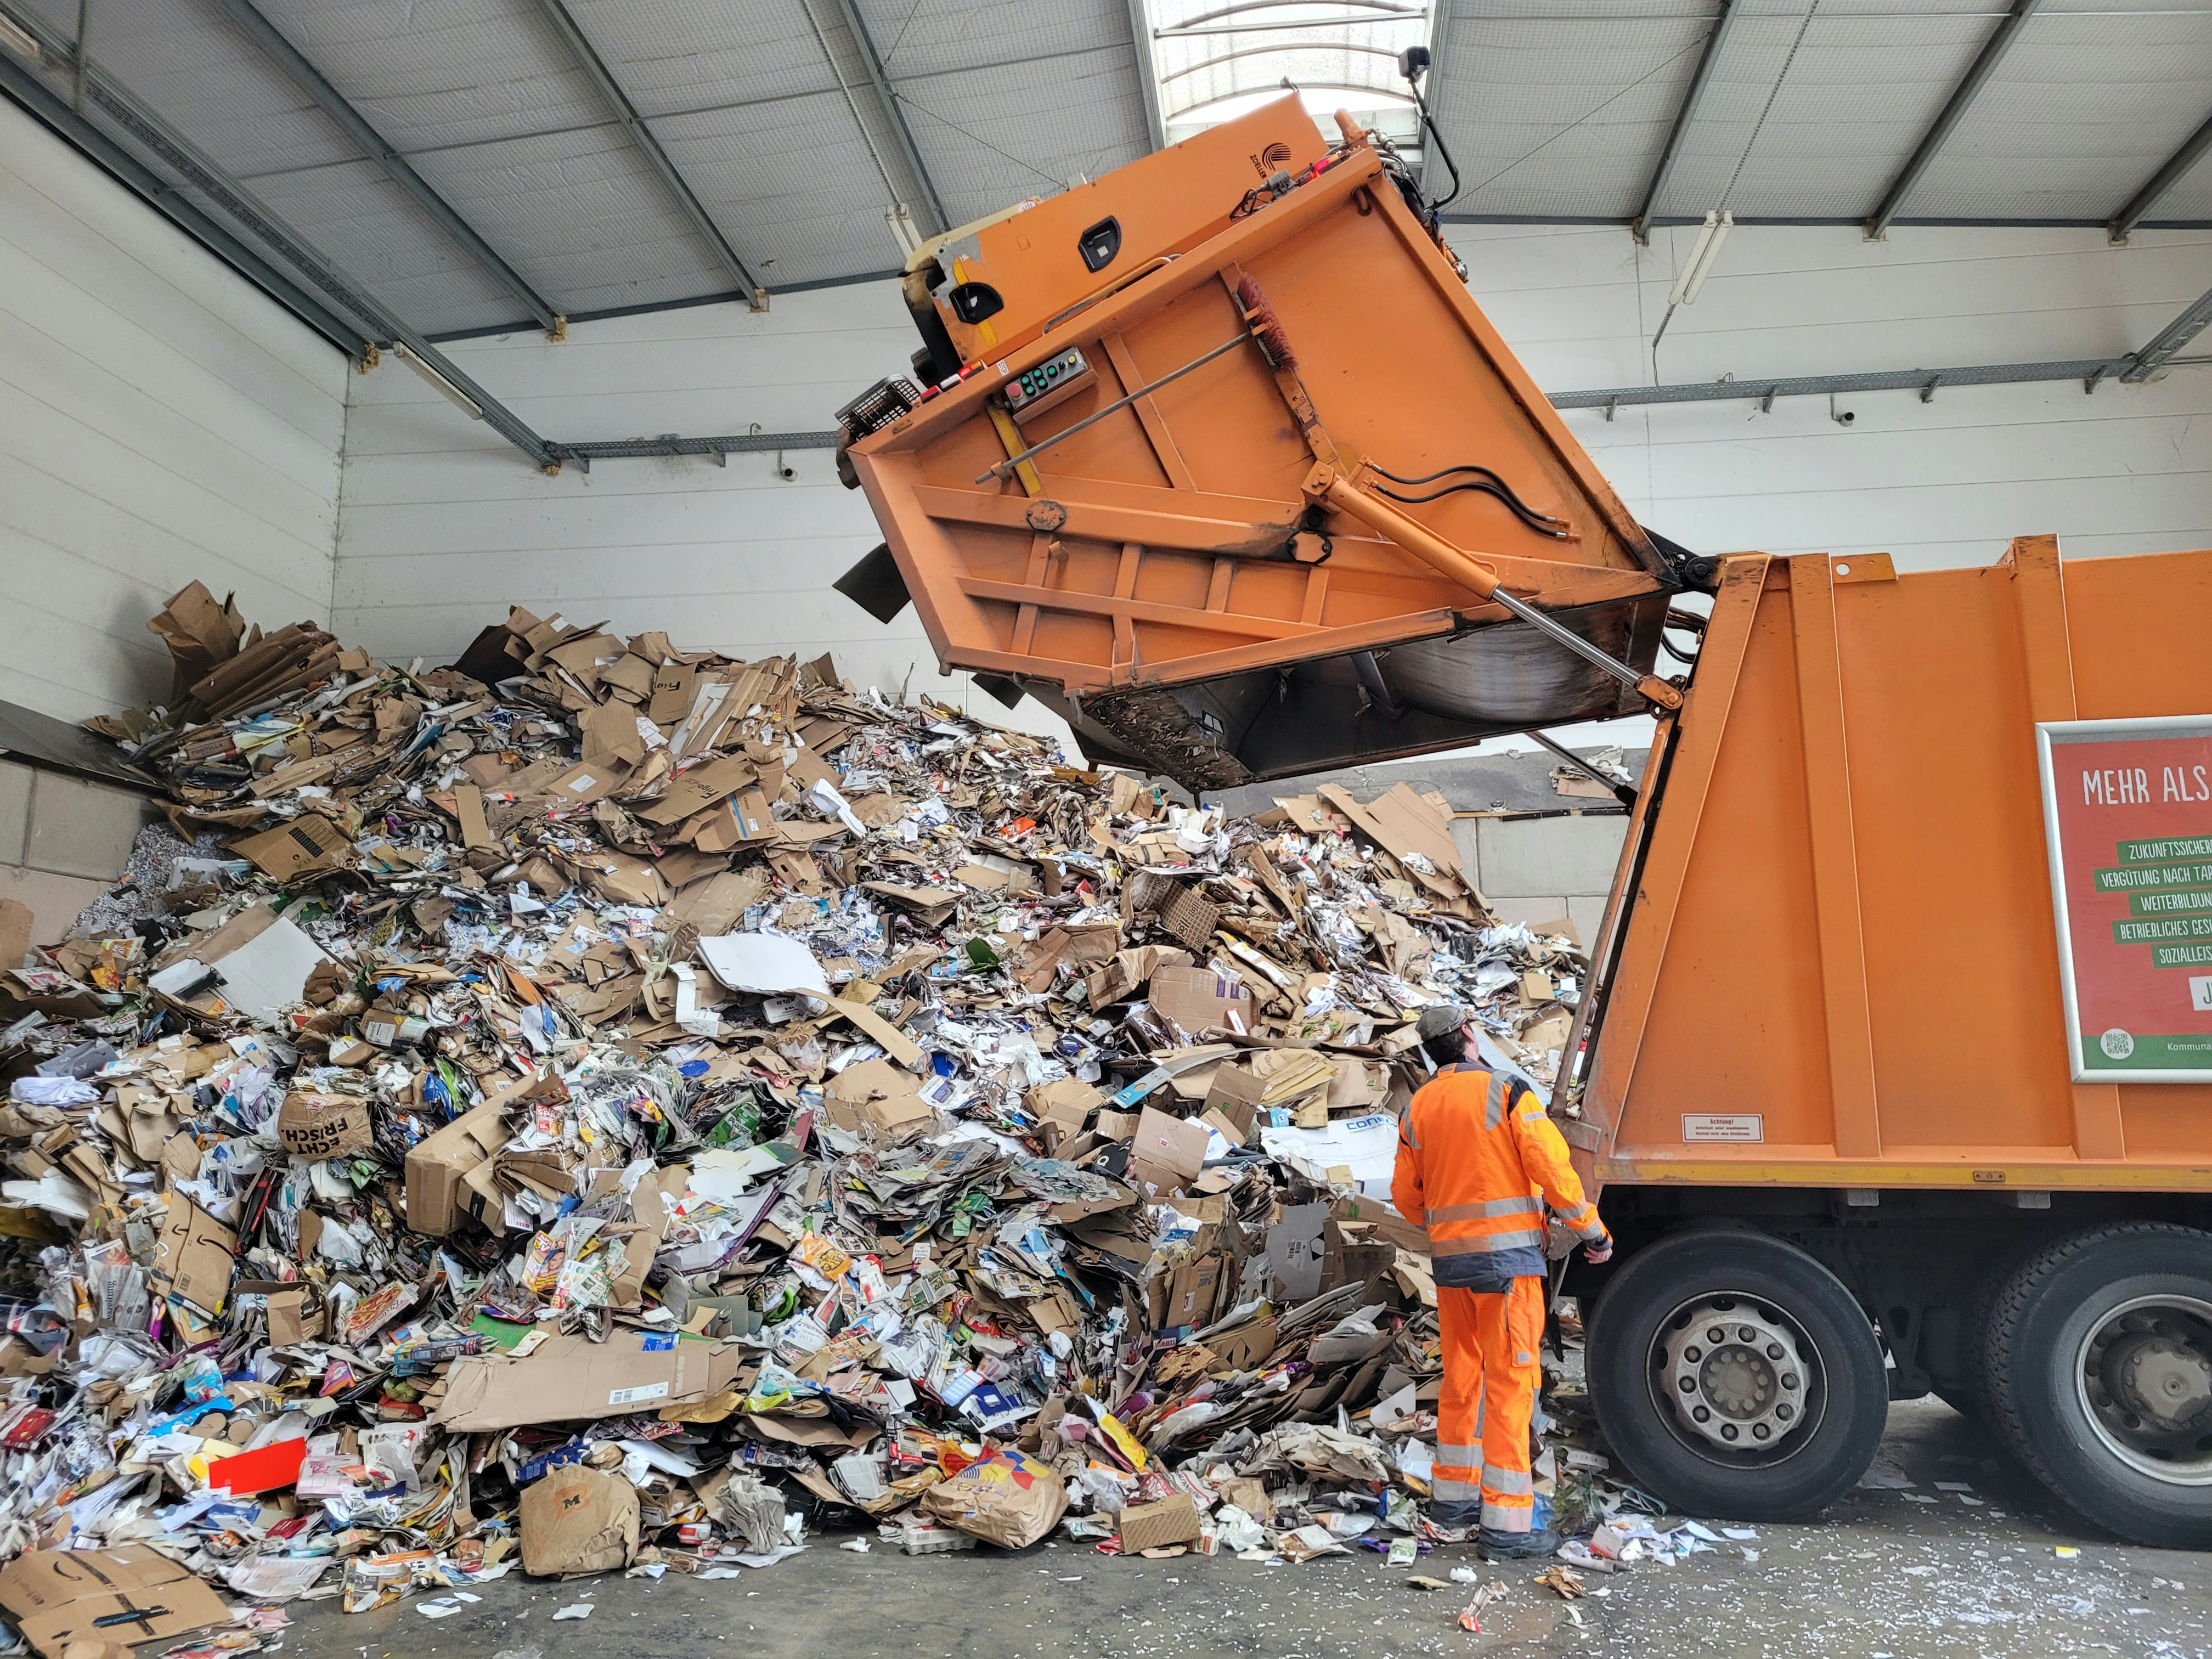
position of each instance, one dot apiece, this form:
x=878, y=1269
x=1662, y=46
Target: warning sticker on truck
x=1724, y=1126
x=2128, y=815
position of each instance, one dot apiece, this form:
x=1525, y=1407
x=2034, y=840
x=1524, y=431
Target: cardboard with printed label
x=315, y=1124
x=58, y=1598
x=1200, y=1001
x=574, y=1379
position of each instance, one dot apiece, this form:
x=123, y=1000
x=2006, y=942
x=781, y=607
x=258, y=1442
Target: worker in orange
x=1478, y=1161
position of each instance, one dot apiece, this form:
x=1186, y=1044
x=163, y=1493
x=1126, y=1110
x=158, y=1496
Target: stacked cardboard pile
x=599, y=1098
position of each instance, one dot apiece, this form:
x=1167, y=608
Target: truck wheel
x=1736, y=1377
x=2099, y=1372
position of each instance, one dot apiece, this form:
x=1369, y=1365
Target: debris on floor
x=604, y=1106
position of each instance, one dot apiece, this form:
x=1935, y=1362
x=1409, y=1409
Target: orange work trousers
x=1491, y=1375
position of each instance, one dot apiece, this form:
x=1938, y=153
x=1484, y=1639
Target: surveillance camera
x=1847, y=416
x=1414, y=62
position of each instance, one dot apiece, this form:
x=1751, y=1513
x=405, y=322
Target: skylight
x=1215, y=59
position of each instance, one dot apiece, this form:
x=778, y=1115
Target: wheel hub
x=2146, y=1376
x=1735, y=1377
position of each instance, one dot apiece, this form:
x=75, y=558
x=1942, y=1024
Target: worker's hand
x=1595, y=1253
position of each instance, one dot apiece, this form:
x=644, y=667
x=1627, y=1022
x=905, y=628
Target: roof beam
x=2160, y=182
x=1148, y=73
x=310, y=80
x=1926, y=381
x=618, y=104
x=41, y=100
x=893, y=111
x=1724, y=21
x=199, y=170
x=1955, y=111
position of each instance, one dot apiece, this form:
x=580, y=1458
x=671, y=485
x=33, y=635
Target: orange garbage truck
x=1893, y=1067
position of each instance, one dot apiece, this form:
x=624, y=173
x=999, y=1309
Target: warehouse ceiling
x=476, y=164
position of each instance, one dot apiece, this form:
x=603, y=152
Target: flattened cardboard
x=312, y=1125
x=469, y=813
x=1235, y=1092
x=877, y=1095
x=578, y=1520
x=57, y=1597
x=697, y=790
x=572, y=1378
x=880, y=1031
x=1200, y=1000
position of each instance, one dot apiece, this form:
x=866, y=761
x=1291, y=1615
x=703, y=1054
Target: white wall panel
x=159, y=419
x=444, y=525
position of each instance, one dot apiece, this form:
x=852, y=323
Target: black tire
x=2039, y=1363
x=1652, y=1300
x=1970, y=1397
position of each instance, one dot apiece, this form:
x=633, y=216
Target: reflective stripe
x=1459, y=1456
x=1447, y=1491
x=1494, y=1112
x=1521, y=1482
x=1486, y=1245
x=1574, y=1213
x=1498, y=1518
x=1495, y=1206
x=1406, y=1129
x=1594, y=1233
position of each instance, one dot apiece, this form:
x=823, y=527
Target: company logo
x=2117, y=1044
x=1272, y=160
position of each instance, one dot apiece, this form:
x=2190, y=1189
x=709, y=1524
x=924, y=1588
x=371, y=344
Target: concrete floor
x=1887, y=1574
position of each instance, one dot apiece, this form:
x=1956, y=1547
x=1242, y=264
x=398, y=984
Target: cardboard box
x=437, y=1165
x=296, y=1310
x=1167, y=1150
x=1172, y=1520
x=1200, y=1000
x=306, y=845
x=312, y=1124
x=1235, y=1091
x=1130, y=971
x=194, y=1256
x=1184, y=1299
x=578, y=1520
x=55, y=1597
x=1065, y=1102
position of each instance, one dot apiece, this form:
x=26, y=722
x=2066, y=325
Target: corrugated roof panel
x=766, y=167
x=1561, y=110
x=459, y=72
x=678, y=56
x=2084, y=110
x=1863, y=89
x=583, y=214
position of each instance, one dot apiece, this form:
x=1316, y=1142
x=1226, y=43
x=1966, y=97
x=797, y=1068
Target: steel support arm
x=886, y=95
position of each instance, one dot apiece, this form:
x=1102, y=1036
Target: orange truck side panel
x=1859, y=730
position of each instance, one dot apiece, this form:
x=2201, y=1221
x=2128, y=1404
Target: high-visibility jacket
x=1478, y=1159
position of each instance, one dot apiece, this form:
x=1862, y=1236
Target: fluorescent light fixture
x=1703, y=254
x=13, y=37
x=903, y=229
x=453, y=394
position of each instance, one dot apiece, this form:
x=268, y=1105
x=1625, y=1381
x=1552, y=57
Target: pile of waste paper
x=599, y=1104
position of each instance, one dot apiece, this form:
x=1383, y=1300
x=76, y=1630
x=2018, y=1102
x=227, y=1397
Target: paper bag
x=1009, y=1500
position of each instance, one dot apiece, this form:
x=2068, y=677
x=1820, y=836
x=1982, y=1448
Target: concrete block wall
x=1541, y=869
x=63, y=840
